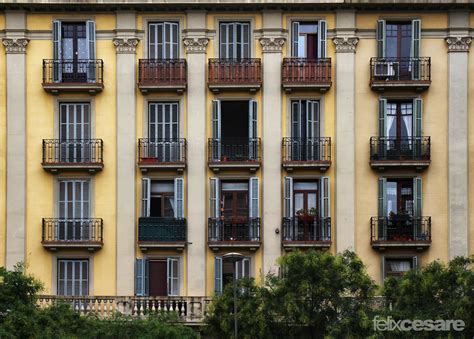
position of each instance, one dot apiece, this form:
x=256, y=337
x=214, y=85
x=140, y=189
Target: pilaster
x=125, y=44
x=15, y=45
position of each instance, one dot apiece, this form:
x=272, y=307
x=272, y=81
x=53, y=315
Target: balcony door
x=399, y=41
x=163, y=40
x=74, y=51
x=163, y=131
x=73, y=277
x=308, y=39
x=305, y=130
x=75, y=132
x=225, y=271
x=162, y=198
x=74, y=210
x=234, y=40
x=234, y=130
x=157, y=277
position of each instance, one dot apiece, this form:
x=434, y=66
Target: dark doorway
x=75, y=50
x=235, y=120
x=157, y=277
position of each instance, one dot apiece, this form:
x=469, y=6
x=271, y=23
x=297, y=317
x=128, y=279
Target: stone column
x=125, y=45
x=15, y=47
x=272, y=43
x=345, y=43
x=195, y=43
x=458, y=161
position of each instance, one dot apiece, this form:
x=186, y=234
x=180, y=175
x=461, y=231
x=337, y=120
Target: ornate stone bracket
x=15, y=45
x=458, y=43
x=195, y=45
x=272, y=45
x=126, y=45
x=345, y=44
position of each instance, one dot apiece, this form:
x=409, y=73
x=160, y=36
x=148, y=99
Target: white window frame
x=74, y=281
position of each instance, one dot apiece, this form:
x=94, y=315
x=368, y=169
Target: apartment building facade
x=126, y=169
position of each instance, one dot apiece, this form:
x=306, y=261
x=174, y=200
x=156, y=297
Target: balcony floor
x=178, y=166
x=58, y=167
x=56, y=88
x=386, y=85
x=146, y=88
x=321, y=165
x=177, y=245
x=290, y=244
x=385, y=244
x=316, y=86
x=251, y=245
x=386, y=164
x=89, y=245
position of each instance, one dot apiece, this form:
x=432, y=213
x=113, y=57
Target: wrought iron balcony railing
x=235, y=72
x=234, y=150
x=167, y=73
x=306, y=149
x=78, y=231
x=307, y=229
x=306, y=72
x=234, y=229
x=400, y=70
x=72, y=152
x=400, y=229
x=153, y=229
x=400, y=149
x=159, y=151
x=87, y=71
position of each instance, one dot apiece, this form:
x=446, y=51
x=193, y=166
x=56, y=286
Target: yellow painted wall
x=41, y=124
x=3, y=150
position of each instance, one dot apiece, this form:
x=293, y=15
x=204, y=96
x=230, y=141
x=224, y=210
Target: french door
x=75, y=132
x=163, y=40
x=73, y=277
x=163, y=131
x=74, y=210
x=74, y=49
x=305, y=130
x=234, y=40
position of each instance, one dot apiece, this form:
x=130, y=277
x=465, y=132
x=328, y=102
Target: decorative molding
x=126, y=45
x=195, y=45
x=15, y=45
x=272, y=45
x=345, y=44
x=458, y=43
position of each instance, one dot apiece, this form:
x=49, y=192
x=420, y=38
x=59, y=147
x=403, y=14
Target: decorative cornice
x=458, y=43
x=15, y=45
x=345, y=44
x=272, y=45
x=195, y=45
x=126, y=45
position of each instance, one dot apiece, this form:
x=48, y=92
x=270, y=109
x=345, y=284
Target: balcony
x=234, y=232
x=73, y=76
x=72, y=233
x=306, y=74
x=162, y=75
x=241, y=153
x=235, y=74
x=156, y=154
x=389, y=152
x=306, y=153
x=400, y=231
x=73, y=155
x=156, y=232
x=306, y=231
x=400, y=73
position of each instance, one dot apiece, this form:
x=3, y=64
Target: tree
x=435, y=291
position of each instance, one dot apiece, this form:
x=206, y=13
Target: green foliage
x=435, y=291
x=21, y=318
x=318, y=295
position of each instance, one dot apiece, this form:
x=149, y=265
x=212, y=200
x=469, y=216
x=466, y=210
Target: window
x=308, y=39
x=163, y=40
x=234, y=130
x=74, y=210
x=234, y=40
x=73, y=277
x=74, y=45
x=74, y=131
x=157, y=277
x=400, y=197
x=225, y=271
x=397, y=266
x=163, y=198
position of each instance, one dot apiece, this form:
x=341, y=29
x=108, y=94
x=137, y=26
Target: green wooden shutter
x=140, y=277
x=382, y=197
x=90, y=38
x=322, y=37
x=57, y=51
x=288, y=197
x=218, y=275
x=216, y=130
x=417, y=197
x=146, y=185
x=415, y=49
x=325, y=206
x=417, y=127
x=295, y=29
x=179, y=198
x=381, y=38
x=253, y=126
x=382, y=117
x=173, y=276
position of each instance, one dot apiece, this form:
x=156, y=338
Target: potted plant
x=303, y=215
